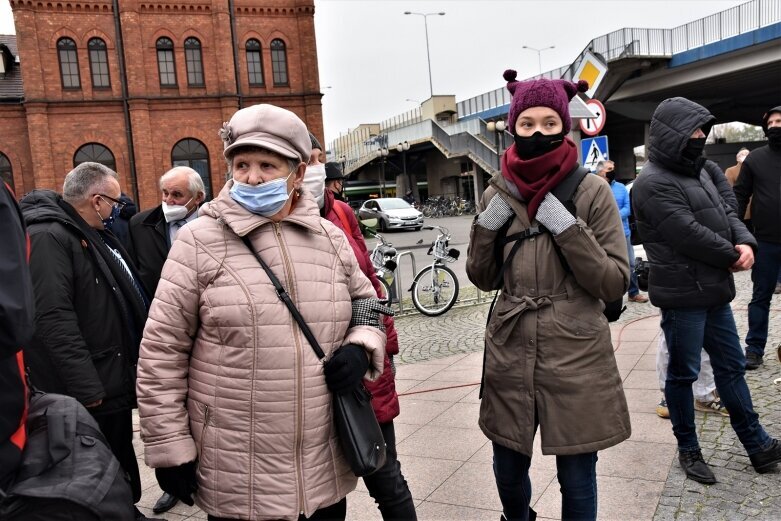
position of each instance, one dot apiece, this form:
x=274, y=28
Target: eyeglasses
x=117, y=203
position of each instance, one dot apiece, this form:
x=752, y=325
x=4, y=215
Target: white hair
x=194, y=181
x=85, y=180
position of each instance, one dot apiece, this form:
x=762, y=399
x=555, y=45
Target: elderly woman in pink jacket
x=235, y=406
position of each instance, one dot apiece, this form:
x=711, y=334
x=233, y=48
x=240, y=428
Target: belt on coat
x=506, y=319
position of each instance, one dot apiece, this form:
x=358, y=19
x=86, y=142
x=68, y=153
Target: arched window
x=254, y=63
x=279, y=62
x=95, y=153
x=192, y=153
x=194, y=62
x=166, y=65
x=6, y=172
x=69, y=63
x=98, y=63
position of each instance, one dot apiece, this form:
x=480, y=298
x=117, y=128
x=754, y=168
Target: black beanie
x=766, y=116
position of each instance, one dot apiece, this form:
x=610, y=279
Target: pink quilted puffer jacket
x=225, y=374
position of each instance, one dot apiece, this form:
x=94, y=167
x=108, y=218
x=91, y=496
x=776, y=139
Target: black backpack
x=564, y=193
x=68, y=470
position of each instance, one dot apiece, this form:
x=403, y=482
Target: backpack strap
x=342, y=217
x=518, y=238
x=564, y=192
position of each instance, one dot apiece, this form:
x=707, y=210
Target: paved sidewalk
x=447, y=459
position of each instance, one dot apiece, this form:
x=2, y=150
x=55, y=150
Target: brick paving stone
x=741, y=493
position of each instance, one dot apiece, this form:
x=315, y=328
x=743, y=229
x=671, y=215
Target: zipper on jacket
x=205, y=424
x=299, y=375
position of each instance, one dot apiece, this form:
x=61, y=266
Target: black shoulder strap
x=518, y=238
x=285, y=297
x=564, y=193
x=566, y=189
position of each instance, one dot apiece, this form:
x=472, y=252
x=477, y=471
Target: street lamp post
x=402, y=148
x=343, y=160
x=428, y=55
x=382, y=153
x=539, y=52
x=498, y=128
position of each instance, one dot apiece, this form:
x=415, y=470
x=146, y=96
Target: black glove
x=346, y=368
x=179, y=481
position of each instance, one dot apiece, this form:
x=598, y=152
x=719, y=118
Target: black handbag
x=359, y=432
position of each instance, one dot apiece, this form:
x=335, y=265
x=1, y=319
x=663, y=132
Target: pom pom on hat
x=509, y=76
x=554, y=94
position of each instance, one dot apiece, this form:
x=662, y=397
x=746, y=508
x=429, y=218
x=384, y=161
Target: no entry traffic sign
x=592, y=127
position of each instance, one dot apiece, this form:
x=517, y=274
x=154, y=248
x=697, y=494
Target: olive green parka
x=548, y=345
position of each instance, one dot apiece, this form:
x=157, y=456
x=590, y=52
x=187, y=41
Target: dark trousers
x=335, y=512
x=634, y=288
x=685, y=330
x=764, y=275
x=117, y=427
x=577, y=475
x=387, y=486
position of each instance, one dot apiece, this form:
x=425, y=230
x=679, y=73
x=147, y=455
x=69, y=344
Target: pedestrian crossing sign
x=592, y=151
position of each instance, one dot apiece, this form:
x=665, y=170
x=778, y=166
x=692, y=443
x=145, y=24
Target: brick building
x=145, y=85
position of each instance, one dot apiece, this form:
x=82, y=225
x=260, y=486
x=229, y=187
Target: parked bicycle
x=383, y=259
x=435, y=288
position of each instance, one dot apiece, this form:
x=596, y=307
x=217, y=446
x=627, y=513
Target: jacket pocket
x=111, y=365
x=200, y=418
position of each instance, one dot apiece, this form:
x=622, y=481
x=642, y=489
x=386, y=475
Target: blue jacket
x=621, y=195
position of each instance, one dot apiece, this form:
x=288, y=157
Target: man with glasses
x=90, y=305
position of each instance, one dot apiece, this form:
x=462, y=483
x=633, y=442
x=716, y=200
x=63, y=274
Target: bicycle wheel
x=385, y=288
x=434, y=290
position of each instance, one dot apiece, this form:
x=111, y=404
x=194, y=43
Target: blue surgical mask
x=108, y=222
x=264, y=199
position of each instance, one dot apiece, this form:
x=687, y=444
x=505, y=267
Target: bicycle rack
x=397, y=280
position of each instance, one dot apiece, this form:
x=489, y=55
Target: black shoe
x=165, y=503
x=695, y=467
x=753, y=361
x=141, y=517
x=766, y=460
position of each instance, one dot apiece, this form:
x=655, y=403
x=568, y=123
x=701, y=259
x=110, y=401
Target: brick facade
x=52, y=123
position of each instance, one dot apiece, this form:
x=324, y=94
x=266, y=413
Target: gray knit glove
x=495, y=214
x=554, y=215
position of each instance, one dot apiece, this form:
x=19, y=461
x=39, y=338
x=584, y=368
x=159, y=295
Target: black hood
x=766, y=116
x=44, y=206
x=672, y=125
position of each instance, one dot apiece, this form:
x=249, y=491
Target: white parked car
x=392, y=213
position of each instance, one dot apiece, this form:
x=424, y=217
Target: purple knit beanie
x=554, y=94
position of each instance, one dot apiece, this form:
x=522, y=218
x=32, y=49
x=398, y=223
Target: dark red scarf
x=536, y=177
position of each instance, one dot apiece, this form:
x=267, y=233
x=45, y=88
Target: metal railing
x=650, y=43
x=359, y=146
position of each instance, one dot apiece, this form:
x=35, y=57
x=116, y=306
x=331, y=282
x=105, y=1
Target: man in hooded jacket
x=696, y=242
x=759, y=182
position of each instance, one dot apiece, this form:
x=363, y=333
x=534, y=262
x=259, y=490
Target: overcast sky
x=373, y=57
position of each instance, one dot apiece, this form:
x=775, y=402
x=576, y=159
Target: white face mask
x=314, y=182
x=175, y=212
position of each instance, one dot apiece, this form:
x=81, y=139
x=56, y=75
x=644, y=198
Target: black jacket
x=760, y=177
x=16, y=327
x=148, y=245
x=688, y=230
x=123, y=220
x=89, y=317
